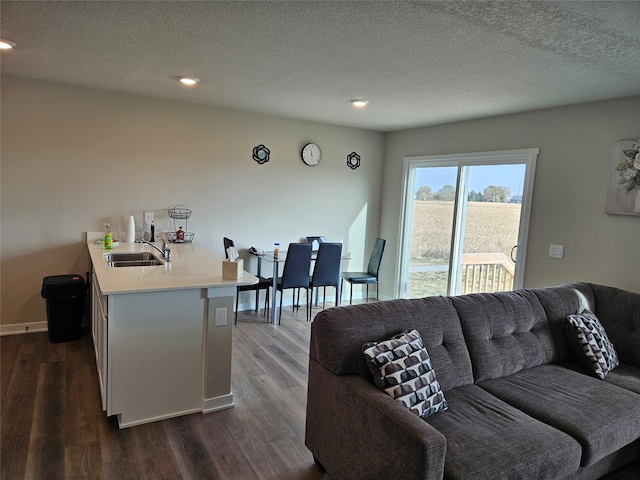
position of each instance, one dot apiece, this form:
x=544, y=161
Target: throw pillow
x=591, y=343
x=402, y=368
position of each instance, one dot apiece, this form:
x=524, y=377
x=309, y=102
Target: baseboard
x=19, y=328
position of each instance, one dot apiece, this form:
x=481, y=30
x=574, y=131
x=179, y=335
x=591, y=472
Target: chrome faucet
x=165, y=252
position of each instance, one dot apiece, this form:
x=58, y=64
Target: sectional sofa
x=504, y=388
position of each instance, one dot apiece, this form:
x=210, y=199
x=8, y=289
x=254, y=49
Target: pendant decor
x=261, y=154
x=353, y=160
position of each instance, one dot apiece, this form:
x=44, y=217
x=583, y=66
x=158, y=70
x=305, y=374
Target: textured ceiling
x=418, y=62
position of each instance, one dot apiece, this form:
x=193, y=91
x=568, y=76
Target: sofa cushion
x=401, y=367
x=591, y=344
x=625, y=376
x=619, y=313
x=601, y=416
x=489, y=439
x=339, y=333
x=560, y=301
x=505, y=332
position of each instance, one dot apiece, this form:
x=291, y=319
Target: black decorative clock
x=311, y=154
x=261, y=154
x=353, y=160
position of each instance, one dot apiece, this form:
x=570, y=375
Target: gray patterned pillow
x=591, y=343
x=402, y=368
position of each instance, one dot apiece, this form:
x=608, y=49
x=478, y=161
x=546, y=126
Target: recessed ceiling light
x=188, y=80
x=6, y=44
x=360, y=103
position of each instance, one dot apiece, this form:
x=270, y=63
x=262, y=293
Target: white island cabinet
x=162, y=334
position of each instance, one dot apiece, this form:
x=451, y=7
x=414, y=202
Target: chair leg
x=324, y=295
x=367, y=293
x=377, y=291
x=280, y=311
x=350, y=293
x=237, y=297
x=266, y=302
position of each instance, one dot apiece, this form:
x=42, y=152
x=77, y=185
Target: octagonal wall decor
x=261, y=154
x=353, y=160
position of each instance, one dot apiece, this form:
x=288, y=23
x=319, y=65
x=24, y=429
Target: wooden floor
x=52, y=423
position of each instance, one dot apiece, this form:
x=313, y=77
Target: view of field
x=490, y=228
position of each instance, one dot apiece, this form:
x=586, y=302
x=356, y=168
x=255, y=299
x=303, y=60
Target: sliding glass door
x=465, y=222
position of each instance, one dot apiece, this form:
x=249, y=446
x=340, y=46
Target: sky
x=480, y=177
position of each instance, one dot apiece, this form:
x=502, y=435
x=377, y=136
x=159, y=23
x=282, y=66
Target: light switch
x=556, y=251
x=148, y=217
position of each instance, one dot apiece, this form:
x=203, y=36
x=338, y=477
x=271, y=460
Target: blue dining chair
x=370, y=277
x=326, y=271
x=263, y=284
x=295, y=273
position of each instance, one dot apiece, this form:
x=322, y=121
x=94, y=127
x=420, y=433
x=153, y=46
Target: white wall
x=73, y=158
x=569, y=194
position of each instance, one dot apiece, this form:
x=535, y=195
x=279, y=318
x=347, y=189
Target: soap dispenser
x=107, y=240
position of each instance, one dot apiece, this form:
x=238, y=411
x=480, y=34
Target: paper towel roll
x=131, y=230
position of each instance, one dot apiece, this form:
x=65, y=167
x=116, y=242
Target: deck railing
x=486, y=273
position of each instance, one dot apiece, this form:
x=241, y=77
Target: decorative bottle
x=180, y=235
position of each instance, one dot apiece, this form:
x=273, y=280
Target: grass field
x=490, y=228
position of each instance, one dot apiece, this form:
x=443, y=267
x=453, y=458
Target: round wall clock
x=311, y=154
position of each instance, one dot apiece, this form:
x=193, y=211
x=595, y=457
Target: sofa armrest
x=357, y=432
x=619, y=312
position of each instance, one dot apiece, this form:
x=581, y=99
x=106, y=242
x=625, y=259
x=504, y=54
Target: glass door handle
x=514, y=258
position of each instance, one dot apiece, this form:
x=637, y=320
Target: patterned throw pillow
x=591, y=344
x=402, y=368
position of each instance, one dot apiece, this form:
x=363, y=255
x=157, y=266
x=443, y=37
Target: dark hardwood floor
x=53, y=427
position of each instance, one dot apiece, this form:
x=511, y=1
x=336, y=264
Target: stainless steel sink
x=135, y=259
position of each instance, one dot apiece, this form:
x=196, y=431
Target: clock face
x=311, y=154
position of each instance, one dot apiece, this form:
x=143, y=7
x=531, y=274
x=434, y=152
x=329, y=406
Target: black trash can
x=65, y=295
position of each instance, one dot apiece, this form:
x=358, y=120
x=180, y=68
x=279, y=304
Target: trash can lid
x=63, y=279
x=62, y=285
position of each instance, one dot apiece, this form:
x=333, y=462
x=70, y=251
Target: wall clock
x=311, y=154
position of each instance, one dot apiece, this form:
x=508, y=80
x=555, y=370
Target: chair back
x=296, y=266
x=227, y=243
x=326, y=271
x=376, y=257
x=316, y=242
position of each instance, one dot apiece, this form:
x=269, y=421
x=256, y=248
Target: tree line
x=492, y=193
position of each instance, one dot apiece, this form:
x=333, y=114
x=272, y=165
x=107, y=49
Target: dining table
x=276, y=260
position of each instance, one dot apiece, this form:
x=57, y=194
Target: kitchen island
x=162, y=334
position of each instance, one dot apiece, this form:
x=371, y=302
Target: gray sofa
x=520, y=405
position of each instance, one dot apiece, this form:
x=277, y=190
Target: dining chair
x=326, y=271
x=316, y=242
x=370, y=277
x=263, y=284
x=295, y=273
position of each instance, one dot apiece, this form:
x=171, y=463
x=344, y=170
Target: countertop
x=191, y=267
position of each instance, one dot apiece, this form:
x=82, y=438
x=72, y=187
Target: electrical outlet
x=148, y=217
x=221, y=317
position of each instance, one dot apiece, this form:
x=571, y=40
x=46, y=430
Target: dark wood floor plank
x=83, y=462
x=19, y=388
x=45, y=458
x=53, y=425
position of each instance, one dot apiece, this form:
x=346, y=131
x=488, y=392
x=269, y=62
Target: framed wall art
x=623, y=190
